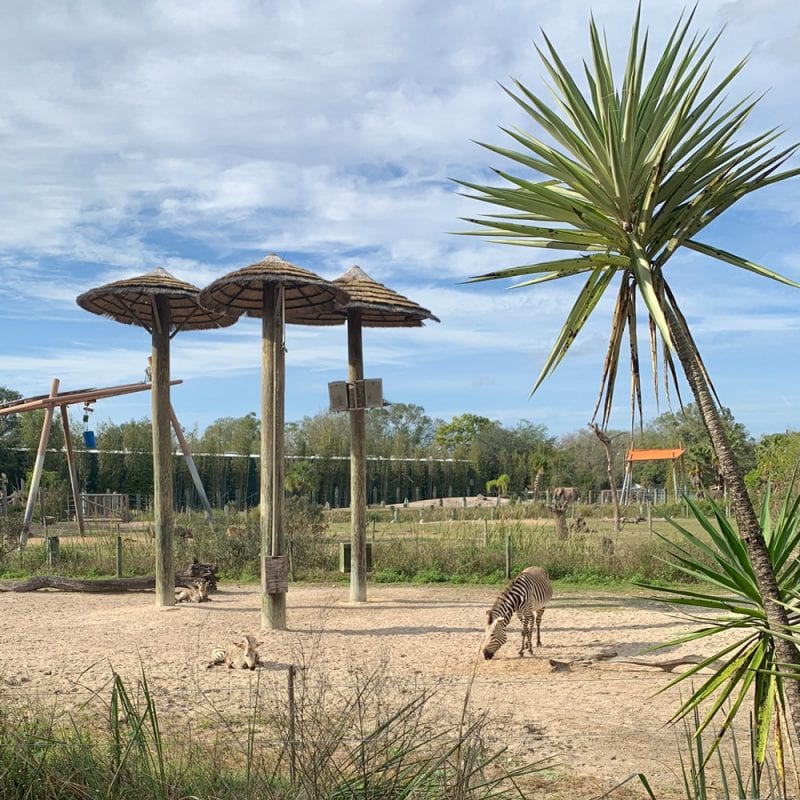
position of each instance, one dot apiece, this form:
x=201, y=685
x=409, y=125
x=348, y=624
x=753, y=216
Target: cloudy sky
x=201, y=136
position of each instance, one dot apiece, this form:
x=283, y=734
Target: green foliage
x=308, y=539
x=464, y=552
x=621, y=175
x=498, y=485
x=355, y=746
x=459, y=435
x=9, y=438
x=300, y=478
x=730, y=778
x=776, y=458
x=403, y=459
x=233, y=542
x=687, y=429
x=736, y=781
x=732, y=604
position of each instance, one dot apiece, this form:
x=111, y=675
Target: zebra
x=196, y=593
x=246, y=658
x=527, y=595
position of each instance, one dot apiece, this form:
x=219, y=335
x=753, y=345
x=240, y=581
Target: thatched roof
x=306, y=294
x=132, y=302
x=380, y=306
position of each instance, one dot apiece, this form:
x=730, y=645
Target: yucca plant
x=731, y=779
x=720, y=562
x=635, y=172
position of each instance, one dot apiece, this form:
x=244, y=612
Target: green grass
x=437, y=551
x=341, y=745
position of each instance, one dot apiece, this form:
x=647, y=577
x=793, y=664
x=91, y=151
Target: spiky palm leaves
x=729, y=594
x=634, y=173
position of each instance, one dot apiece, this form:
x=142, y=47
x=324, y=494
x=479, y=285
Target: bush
x=333, y=745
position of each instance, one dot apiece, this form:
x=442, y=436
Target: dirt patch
x=599, y=719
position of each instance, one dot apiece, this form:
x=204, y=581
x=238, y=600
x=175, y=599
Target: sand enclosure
x=599, y=720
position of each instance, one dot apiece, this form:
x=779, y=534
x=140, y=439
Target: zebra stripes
x=526, y=596
x=196, y=593
x=239, y=655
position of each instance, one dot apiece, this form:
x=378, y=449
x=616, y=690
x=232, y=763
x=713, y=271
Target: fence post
x=292, y=713
x=52, y=548
x=485, y=533
x=119, y=553
x=508, y=555
x=649, y=517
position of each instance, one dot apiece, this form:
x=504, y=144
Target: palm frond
x=581, y=310
x=624, y=174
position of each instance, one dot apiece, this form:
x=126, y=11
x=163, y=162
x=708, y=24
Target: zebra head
x=201, y=586
x=249, y=653
x=495, y=636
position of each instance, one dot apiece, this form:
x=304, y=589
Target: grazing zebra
x=196, y=593
x=526, y=596
x=239, y=655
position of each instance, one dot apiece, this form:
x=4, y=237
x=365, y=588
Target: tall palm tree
x=635, y=171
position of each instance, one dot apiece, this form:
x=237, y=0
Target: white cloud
x=201, y=136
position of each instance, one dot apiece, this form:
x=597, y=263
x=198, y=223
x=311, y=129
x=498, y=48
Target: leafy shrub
x=334, y=745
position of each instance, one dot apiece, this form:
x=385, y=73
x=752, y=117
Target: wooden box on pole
x=274, y=575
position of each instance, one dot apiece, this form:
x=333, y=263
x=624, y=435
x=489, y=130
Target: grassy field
x=423, y=546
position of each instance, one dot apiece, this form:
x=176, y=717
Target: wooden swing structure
x=63, y=400
x=673, y=454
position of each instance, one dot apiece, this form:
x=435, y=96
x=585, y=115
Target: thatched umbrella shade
x=163, y=305
x=277, y=292
x=371, y=305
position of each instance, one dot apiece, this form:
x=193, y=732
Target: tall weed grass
x=325, y=746
x=419, y=550
x=457, y=551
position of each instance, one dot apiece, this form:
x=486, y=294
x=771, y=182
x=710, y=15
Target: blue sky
x=201, y=136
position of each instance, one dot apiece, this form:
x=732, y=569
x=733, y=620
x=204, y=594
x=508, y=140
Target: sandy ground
x=599, y=721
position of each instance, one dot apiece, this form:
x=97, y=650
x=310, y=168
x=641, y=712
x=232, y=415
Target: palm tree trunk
x=606, y=442
x=749, y=528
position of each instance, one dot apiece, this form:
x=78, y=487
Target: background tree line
x=411, y=456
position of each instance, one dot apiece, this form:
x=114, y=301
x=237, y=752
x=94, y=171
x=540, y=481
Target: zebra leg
x=527, y=632
x=539, y=615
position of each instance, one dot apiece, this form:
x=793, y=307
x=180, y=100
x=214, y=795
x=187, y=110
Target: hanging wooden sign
x=275, y=575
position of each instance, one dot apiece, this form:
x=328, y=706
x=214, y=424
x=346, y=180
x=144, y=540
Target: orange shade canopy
x=668, y=454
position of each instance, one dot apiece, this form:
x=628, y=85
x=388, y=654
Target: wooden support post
x=267, y=440
x=273, y=604
x=119, y=553
x=358, y=465
x=508, y=555
x=38, y=467
x=278, y=466
x=187, y=454
x=73, y=470
x=292, y=716
x=162, y=455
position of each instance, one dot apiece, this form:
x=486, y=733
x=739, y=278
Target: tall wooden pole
x=273, y=605
x=278, y=465
x=73, y=471
x=162, y=455
x=358, y=465
x=38, y=467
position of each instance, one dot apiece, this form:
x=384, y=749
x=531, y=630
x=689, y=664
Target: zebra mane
x=509, y=600
x=502, y=609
